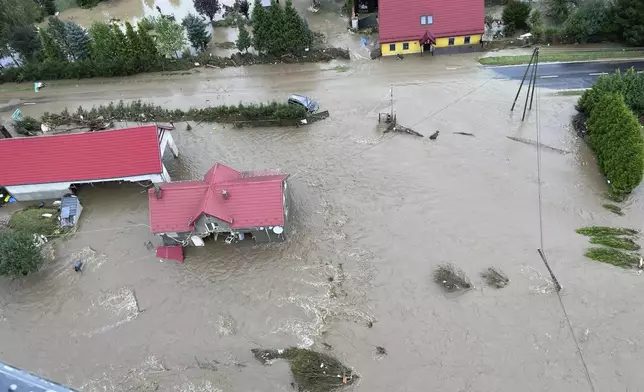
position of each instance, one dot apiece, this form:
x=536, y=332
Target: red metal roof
x=400, y=20
x=170, y=252
x=80, y=157
x=251, y=201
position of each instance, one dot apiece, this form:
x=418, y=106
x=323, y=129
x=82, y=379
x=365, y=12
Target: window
x=406, y=46
x=426, y=20
x=467, y=40
x=392, y=47
x=211, y=226
x=450, y=41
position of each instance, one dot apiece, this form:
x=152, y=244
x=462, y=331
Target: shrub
x=630, y=85
x=19, y=254
x=27, y=126
x=451, y=278
x=515, y=16
x=605, y=231
x=615, y=242
x=612, y=256
x=616, y=137
x=588, y=23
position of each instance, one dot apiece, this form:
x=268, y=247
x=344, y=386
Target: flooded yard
x=374, y=215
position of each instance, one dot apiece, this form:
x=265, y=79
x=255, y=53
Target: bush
x=630, y=85
x=612, y=256
x=615, y=242
x=515, y=16
x=451, y=278
x=19, y=254
x=605, y=231
x=27, y=126
x=616, y=137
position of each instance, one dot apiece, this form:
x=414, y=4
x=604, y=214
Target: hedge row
x=138, y=111
x=615, y=135
x=629, y=84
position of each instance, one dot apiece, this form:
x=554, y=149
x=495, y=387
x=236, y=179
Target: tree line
x=581, y=21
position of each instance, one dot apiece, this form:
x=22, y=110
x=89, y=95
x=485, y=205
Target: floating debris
x=495, y=278
x=464, y=133
x=188, y=126
x=533, y=143
x=400, y=129
x=312, y=371
x=381, y=350
x=207, y=364
x=434, y=135
x=613, y=208
x=451, y=278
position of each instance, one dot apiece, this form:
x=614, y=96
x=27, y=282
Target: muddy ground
x=376, y=213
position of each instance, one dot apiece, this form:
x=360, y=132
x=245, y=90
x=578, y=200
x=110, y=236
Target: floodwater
x=377, y=213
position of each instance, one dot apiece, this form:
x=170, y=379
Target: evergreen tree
x=103, y=46
x=243, y=40
x=26, y=42
x=120, y=42
x=295, y=31
x=58, y=32
x=170, y=37
x=277, y=44
x=48, y=6
x=629, y=20
x=210, y=8
x=261, y=27
x=134, y=48
x=78, y=41
x=197, y=33
x=51, y=50
x=149, y=47
x=19, y=255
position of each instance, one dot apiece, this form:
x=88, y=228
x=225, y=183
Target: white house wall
x=168, y=141
x=56, y=190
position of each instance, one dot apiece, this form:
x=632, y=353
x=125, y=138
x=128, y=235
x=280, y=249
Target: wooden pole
x=522, y=81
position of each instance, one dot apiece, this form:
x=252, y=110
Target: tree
x=48, y=7
x=15, y=14
x=242, y=7
x=243, y=40
x=148, y=45
x=77, y=41
x=58, y=33
x=588, y=23
x=170, y=38
x=629, y=15
x=535, y=23
x=295, y=31
x=559, y=10
x=103, y=44
x=19, y=254
x=616, y=138
x=210, y=8
x=197, y=33
x=261, y=27
x=515, y=16
x=51, y=50
x=26, y=42
x=275, y=27
x=134, y=49
x=629, y=84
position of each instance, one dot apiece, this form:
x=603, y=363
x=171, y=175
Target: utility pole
x=532, y=82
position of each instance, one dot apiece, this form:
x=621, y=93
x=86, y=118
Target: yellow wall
x=414, y=47
x=444, y=41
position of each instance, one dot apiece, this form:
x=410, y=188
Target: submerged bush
x=27, y=126
x=495, y=277
x=616, y=137
x=615, y=242
x=313, y=371
x=451, y=278
x=19, y=254
x=613, y=208
x=605, y=231
x=613, y=256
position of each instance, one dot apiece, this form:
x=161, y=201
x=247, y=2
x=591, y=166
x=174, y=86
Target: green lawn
x=547, y=56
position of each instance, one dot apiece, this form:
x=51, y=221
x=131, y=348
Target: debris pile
x=312, y=371
x=451, y=278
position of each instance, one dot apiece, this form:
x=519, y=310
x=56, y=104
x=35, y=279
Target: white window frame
x=427, y=19
x=211, y=226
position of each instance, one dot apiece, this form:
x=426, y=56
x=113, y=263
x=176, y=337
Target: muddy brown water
x=376, y=213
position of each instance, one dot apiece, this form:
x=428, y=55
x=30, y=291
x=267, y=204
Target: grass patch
x=613, y=208
x=451, y=278
x=313, y=371
x=495, y=278
x=560, y=56
x=613, y=256
x=602, y=231
x=32, y=221
x=624, y=243
x=263, y=114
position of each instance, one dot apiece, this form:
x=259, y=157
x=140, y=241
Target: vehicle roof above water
x=299, y=97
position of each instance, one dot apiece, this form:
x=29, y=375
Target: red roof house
x=225, y=201
x=445, y=25
x=44, y=167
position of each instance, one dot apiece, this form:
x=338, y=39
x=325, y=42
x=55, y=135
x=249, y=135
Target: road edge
x=611, y=60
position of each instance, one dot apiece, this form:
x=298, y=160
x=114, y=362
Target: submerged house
x=227, y=202
x=46, y=167
x=416, y=26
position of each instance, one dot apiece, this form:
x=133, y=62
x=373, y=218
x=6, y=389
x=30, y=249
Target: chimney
x=224, y=194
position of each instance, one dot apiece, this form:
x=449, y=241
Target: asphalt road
x=568, y=75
